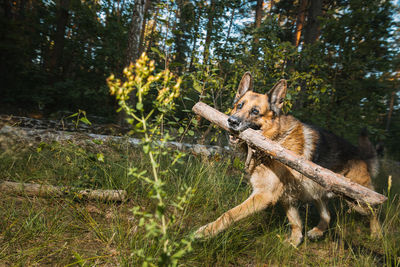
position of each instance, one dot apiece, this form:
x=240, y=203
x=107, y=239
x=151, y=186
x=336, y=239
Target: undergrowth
x=63, y=231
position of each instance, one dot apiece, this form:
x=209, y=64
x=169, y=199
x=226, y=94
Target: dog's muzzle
x=237, y=124
x=234, y=123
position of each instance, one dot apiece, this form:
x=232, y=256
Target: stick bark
x=29, y=189
x=331, y=181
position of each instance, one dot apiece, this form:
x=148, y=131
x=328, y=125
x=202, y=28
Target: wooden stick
x=40, y=190
x=331, y=181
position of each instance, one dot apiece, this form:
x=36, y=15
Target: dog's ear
x=277, y=95
x=246, y=84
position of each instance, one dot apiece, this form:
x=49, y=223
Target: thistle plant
x=140, y=79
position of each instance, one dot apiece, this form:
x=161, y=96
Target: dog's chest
x=295, y=185
x=304, y=189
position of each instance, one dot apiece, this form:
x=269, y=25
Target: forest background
x=341, y=58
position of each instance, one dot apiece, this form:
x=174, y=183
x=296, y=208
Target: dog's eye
x=239, y=106
x=254, y=111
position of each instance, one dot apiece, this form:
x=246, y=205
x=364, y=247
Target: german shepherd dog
x=272, y=181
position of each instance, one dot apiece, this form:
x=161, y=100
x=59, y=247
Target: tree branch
x=40, y=190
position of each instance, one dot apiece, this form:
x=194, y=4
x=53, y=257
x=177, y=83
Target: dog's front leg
x=292, y=213
x=267, y=189
x=323, y=224
x=256, y=202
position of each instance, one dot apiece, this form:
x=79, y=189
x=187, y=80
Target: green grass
x=68, y=231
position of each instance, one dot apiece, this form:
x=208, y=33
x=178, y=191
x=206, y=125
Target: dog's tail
x=368, y=153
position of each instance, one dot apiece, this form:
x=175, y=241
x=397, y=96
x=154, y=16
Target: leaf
x=190, y=132
x=181, y=130
x=158, y=52
x=197, y=87
x=100, y=157
x=237, y=163
x=141, y=221
x=97, y=141
x=169, y=42
x=187, y=98
x=194, y=121
x=139, y=106
x=146, y=148
x=174, y=31
x=85, y=120
x=73, y=115
x=78, y=257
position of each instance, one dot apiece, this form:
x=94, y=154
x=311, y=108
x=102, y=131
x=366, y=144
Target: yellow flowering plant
x=140, y=81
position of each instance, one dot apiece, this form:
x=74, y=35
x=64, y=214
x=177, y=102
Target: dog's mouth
x=238, y=125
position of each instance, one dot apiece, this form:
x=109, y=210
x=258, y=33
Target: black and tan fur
x=273, y=181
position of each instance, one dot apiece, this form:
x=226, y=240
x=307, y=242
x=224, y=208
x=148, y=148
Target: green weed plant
x=138, y=81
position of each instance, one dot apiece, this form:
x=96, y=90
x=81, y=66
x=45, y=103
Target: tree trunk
x=300, y=22
x=271, y=5
x=32, y=135
x=230, y=27
x=153, y=28
x=313, y=29
x=5, y=73
x=257, y=22
x=21, y=10
x=210, y=26
x=180, y=40
x=56, y=53
x=134, y=41
x=134, y=45
x=6, y=9
x=143, y=29
x=389, y=116
x=39, y=190
x=195, y=35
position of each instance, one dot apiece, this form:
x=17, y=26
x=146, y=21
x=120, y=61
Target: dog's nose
x=233, y=122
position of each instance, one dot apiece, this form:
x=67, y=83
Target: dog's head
x=253, y=110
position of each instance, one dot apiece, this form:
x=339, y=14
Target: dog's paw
x=315, y=234
x=295, y=240
x=202, y=232
x=233, y=140
x=376, y=234
x=376, y=229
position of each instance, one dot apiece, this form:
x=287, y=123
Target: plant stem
x=155, y=174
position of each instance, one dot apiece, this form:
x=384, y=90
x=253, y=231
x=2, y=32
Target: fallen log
x=42, y=135
x=29, y=189
x=331, y=181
